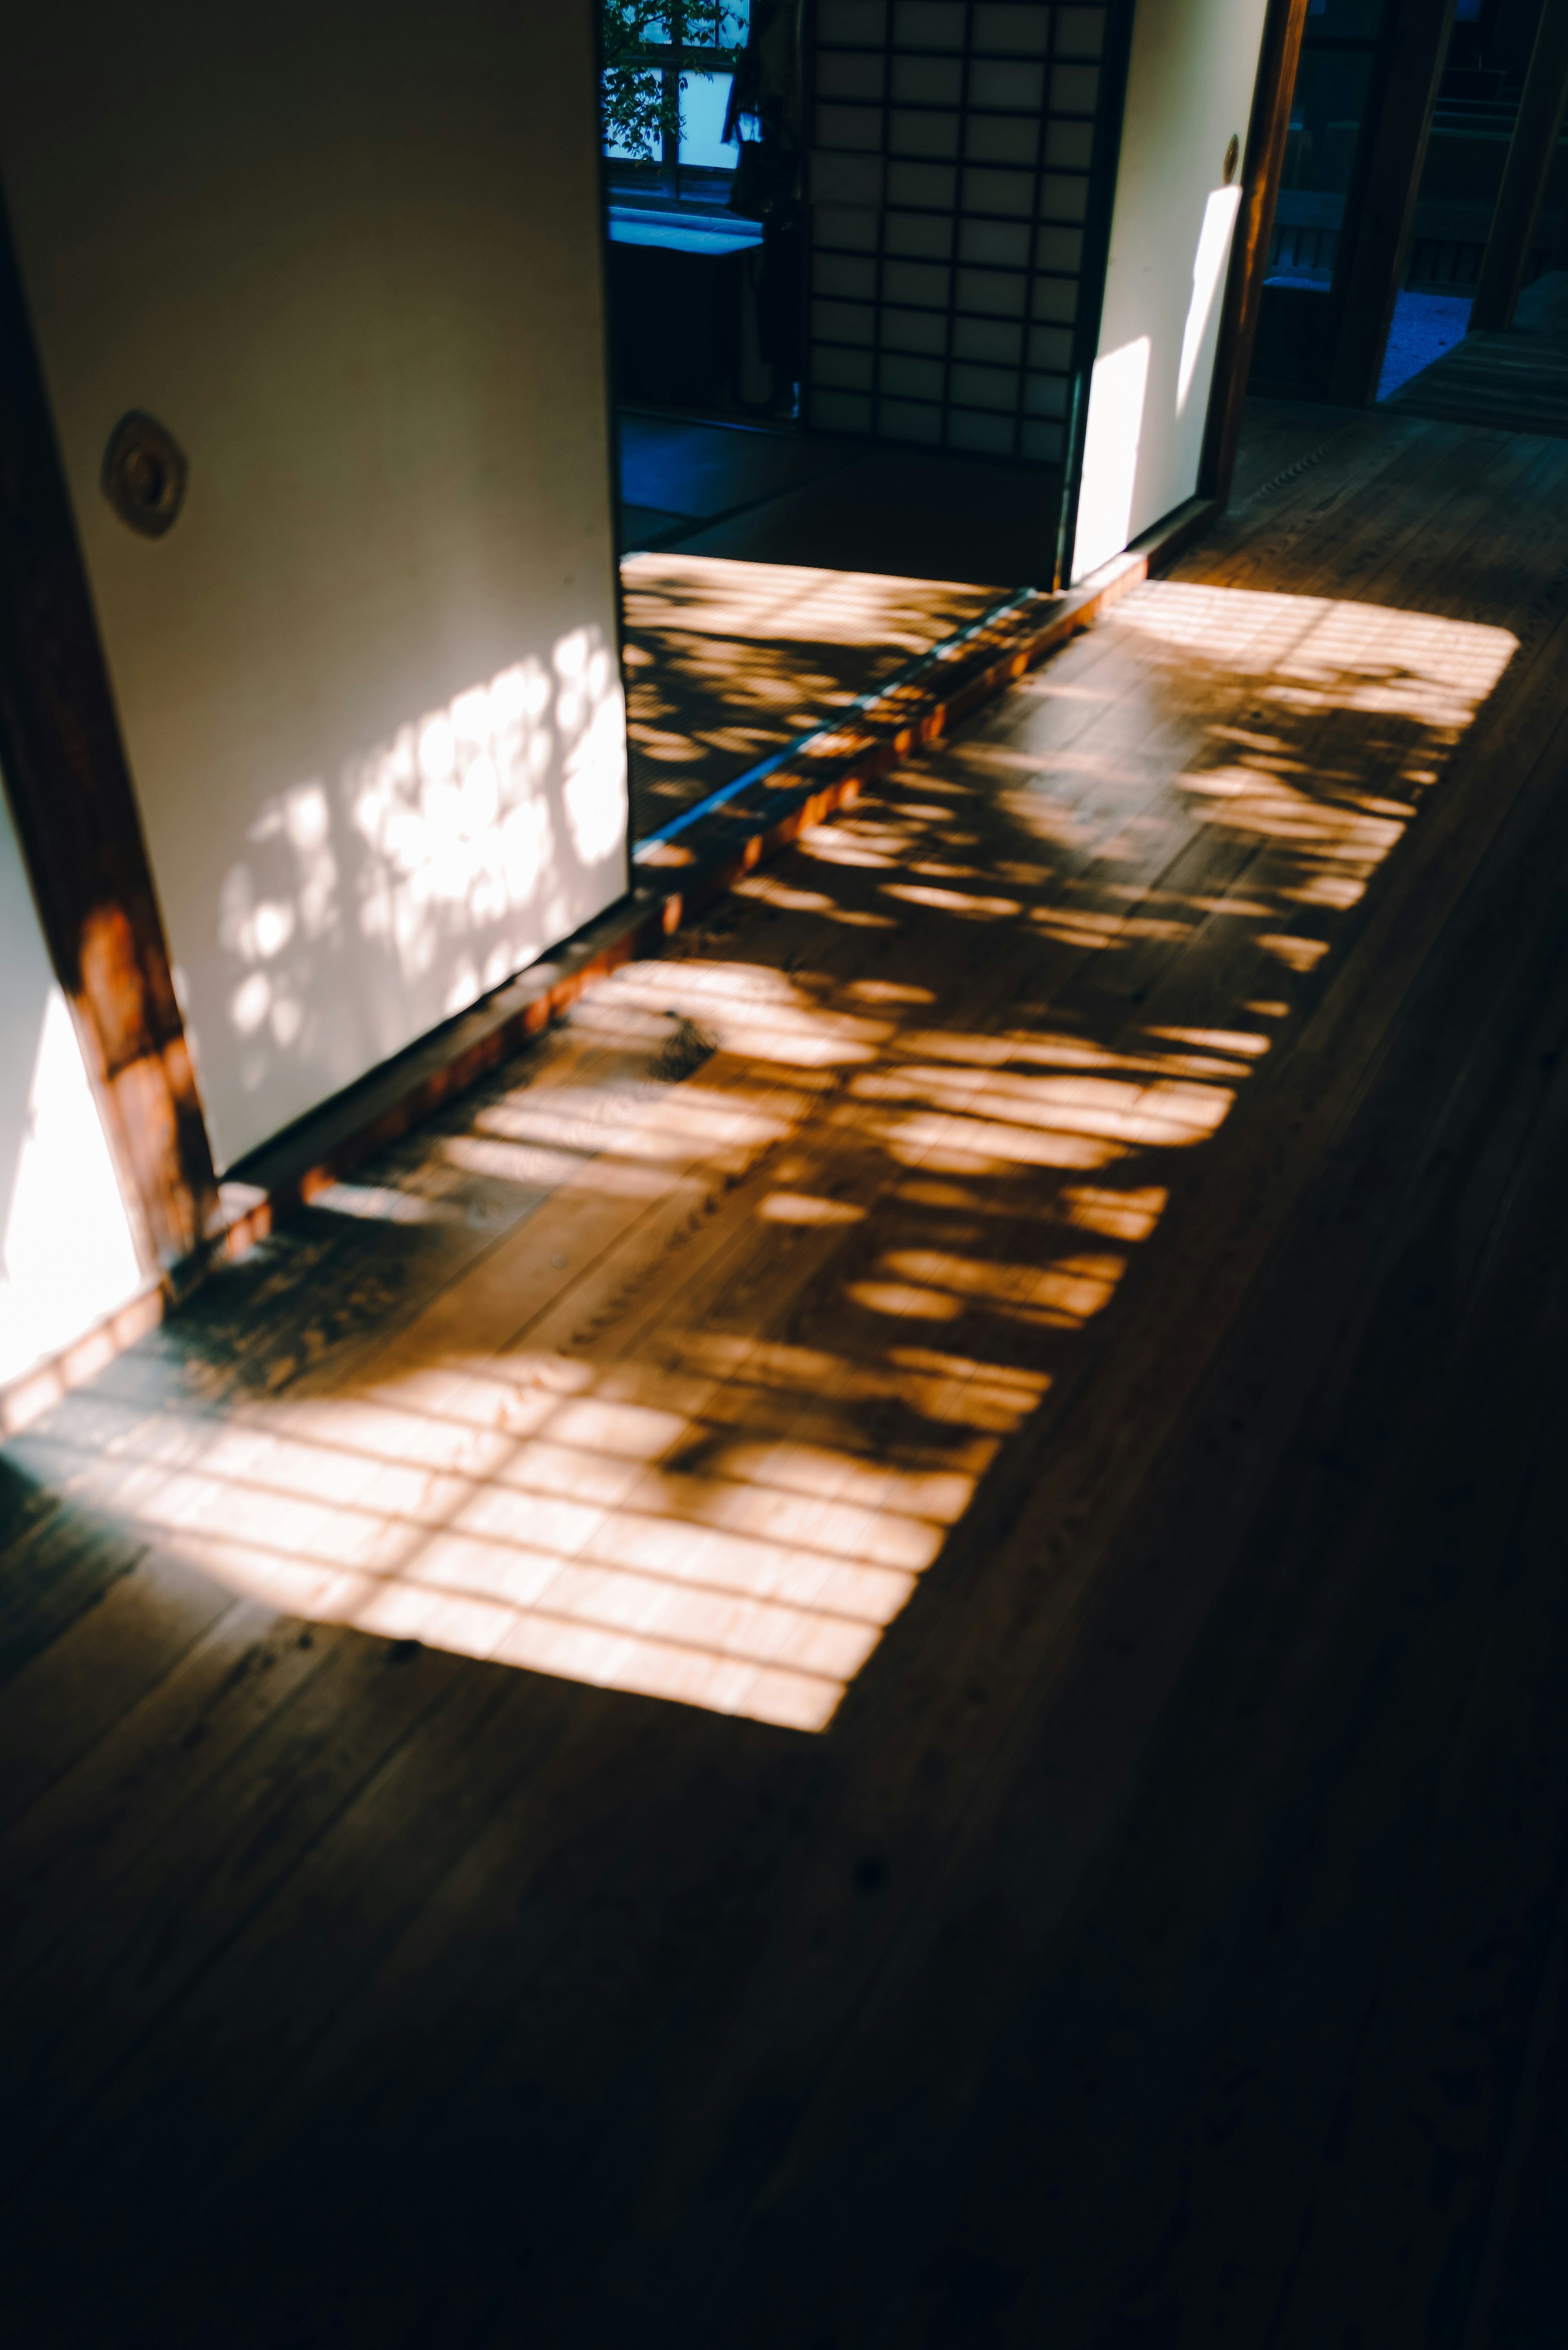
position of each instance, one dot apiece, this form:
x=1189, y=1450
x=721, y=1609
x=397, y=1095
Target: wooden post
x=1530, y=150
x=1265, y=157
x=1380, y=207
x=71, y=794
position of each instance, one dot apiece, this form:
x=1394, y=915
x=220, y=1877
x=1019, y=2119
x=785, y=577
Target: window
x=668, y=66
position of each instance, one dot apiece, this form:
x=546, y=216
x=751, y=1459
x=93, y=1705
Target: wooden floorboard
x=729, y=659
x=769, y=578
x=872, y=1657
x=1514, y=381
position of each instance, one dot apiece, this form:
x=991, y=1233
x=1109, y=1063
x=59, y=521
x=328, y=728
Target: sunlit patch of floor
x=728, y=660
x=700, y=1419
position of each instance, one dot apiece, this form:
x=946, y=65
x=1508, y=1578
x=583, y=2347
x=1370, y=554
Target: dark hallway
x=873, y=1656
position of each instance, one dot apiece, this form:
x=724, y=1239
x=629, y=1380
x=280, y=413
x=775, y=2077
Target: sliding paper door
x=951, y=187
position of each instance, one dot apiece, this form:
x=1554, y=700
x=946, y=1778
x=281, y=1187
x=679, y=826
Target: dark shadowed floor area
x=874, y=1659
x=1516, y=379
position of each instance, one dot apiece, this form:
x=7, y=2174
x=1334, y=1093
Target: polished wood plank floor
x=729, y=659
x=771, y=576
x=875, y=1657
x=760, y=626
x=1519, y=384
x=1516, y=379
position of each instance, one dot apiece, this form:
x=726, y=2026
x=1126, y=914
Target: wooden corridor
x=1516, y=382
x=875, y=1657
x=799, y=572
x=728, y=660
x=1516, y=378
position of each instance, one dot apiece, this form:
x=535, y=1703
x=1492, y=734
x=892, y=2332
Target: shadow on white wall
x=376, y=902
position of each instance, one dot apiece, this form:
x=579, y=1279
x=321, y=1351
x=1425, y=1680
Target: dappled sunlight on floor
x=812, y=1218
x=727, y=662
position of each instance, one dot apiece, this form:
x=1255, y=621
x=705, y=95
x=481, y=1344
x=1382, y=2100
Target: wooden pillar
x=1380, y=206
x=1264, y=162
x=1534, y=144
x=76, y=817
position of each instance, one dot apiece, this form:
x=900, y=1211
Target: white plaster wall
x=67, y=1255
x=350, y=255
x=1190, y=81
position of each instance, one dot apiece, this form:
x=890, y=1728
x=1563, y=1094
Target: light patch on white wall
x=1190, y=81
x=66, y=1253
x=1213, y=245
x=454, y=851
x=1112, y=442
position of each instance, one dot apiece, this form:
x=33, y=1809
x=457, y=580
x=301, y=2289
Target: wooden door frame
x=1262, y=167
x=1105, y=169
x=69, y=784
x=1380, y=204
x=1283, y=29
x=1531, y=155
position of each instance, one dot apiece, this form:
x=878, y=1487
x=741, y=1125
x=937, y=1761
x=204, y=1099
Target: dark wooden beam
x=70, y=793
x=1380, y=205
x=1529, y=158
x=1270, y=121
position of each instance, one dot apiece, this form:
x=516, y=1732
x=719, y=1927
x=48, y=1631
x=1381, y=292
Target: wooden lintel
x=1531, y=155
x=1271, y=118
x=70, y=793
x=1380, y=206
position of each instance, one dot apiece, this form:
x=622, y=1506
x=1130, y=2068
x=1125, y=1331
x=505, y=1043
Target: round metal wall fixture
x=144, y=474
x=1232, y=157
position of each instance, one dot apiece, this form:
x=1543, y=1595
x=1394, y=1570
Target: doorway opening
x=843, y=311
x=1348, y=59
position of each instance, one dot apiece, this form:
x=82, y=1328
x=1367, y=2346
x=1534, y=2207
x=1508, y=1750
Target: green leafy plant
x=644, y=43
x=641, y=103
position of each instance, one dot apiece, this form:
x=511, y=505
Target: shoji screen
x=949, y=188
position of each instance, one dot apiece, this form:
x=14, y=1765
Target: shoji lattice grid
x=949, y=186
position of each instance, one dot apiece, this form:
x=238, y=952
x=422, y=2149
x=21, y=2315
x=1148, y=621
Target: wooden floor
x=680, y=474
x=771, y=613
x=770, y=576
x=878, y=1656
x=729, y=659
x=1516, y=379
